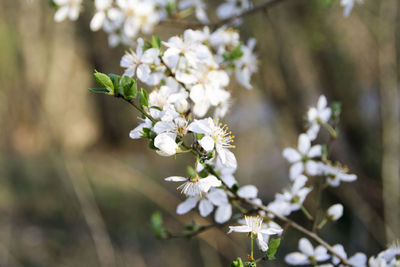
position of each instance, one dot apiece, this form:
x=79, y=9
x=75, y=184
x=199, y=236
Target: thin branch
x=195, y=24
x=301, y=229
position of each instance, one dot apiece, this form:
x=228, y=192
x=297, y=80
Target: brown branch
x=195, y=24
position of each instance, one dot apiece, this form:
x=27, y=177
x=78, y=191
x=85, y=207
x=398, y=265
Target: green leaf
x=143, y=98
x=115, y=79
x=99, y=90
x=157, y=225
x=237, y=263
x=105, y=81
x=128, y=88
x=235, y=54
x=171, y=8
x=272, y=248
x=156, y=42
x=203, y=173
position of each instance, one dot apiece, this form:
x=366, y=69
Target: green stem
x=141, y=110
x=330, y=129
x=322, y=223
x=251, y=247
x=306, y=213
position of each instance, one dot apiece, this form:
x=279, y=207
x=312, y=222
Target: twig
x=195, y=24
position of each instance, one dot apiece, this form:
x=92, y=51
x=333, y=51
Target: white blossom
x=232, y=8
x=247, y=64
x=215, y=136
x=67, y=9
x=307, y=254
x=348, y=6
x=254, y=226
x=301, y=158
x=335, y=212
x=335, y=175
x=357, y=260
x=195, y=187
x=317, y=115
x=166, y=144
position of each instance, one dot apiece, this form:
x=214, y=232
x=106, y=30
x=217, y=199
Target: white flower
x=232, y=8
x=301, y=158
x=216, y=197
x=138, y=131
x=99, y=18
x=226, y=173
x=247, y=64
x=335, y=175
x=292, y=198
x=318, y=115
x=140, y=15
x=348, y=6
x=166, y=144
x=177, y=126
x=307, y=254
x=199, y=6
x=254, y=226
x=357, y=260
x=145, y=64
x=335, y=212
x=217, y=136
x=67, y=8
x=195, y=187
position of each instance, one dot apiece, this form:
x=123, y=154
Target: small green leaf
x=237, y=263
x=171, y=8
x=203, y=173
x=105, y=81
x=143, y=98
x=272, y=248
x=115, y=79
x=156, y=42
x=157, y=225
x=99, y=90
x=235, y=54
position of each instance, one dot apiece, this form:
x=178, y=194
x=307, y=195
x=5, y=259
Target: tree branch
x=195, y=24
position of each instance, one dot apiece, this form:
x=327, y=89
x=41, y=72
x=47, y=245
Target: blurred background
x=76, y=191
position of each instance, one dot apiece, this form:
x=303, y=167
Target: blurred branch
x=389, y=93
x=195, y=24
x=91, y=213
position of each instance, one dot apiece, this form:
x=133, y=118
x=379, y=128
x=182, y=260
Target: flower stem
x=251, y=249
x=330, y=129
x=322, y=223
x=306, y=213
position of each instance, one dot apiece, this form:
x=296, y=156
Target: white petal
x=210, y=181
x=228, y=159
x=205, y=207
x=61, y=14
x=239, y=229
x=325, y=115
x=187, y=205
x=296, y=258
x=223, y=213
x=272, y=231
x=176, y=179
x=248, y=191
x=306, y=247
x=322, y=102
x=218, y=197
x=313, y=131
x=304, y=144
x=321, y=254
x=291, y=155
x=358, y=260
x=315, y=151
x=312, y=168
x=295, y=170
x=207, y=143
x=97, y=21
x=261, y=243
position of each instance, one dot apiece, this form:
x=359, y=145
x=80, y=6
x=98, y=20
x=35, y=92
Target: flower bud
x=166, y=145
x=334, y=212
x=181, y=105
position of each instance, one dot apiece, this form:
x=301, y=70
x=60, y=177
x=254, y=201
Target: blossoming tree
x=182, y=116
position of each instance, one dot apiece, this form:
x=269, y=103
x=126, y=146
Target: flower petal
x=248, y=191
x=304, y=144
x=187, y=205
x=176, y=179
x=205, y=207
x=296, y=258
x=306, y=247
x=223, y=213
x=291, y=155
